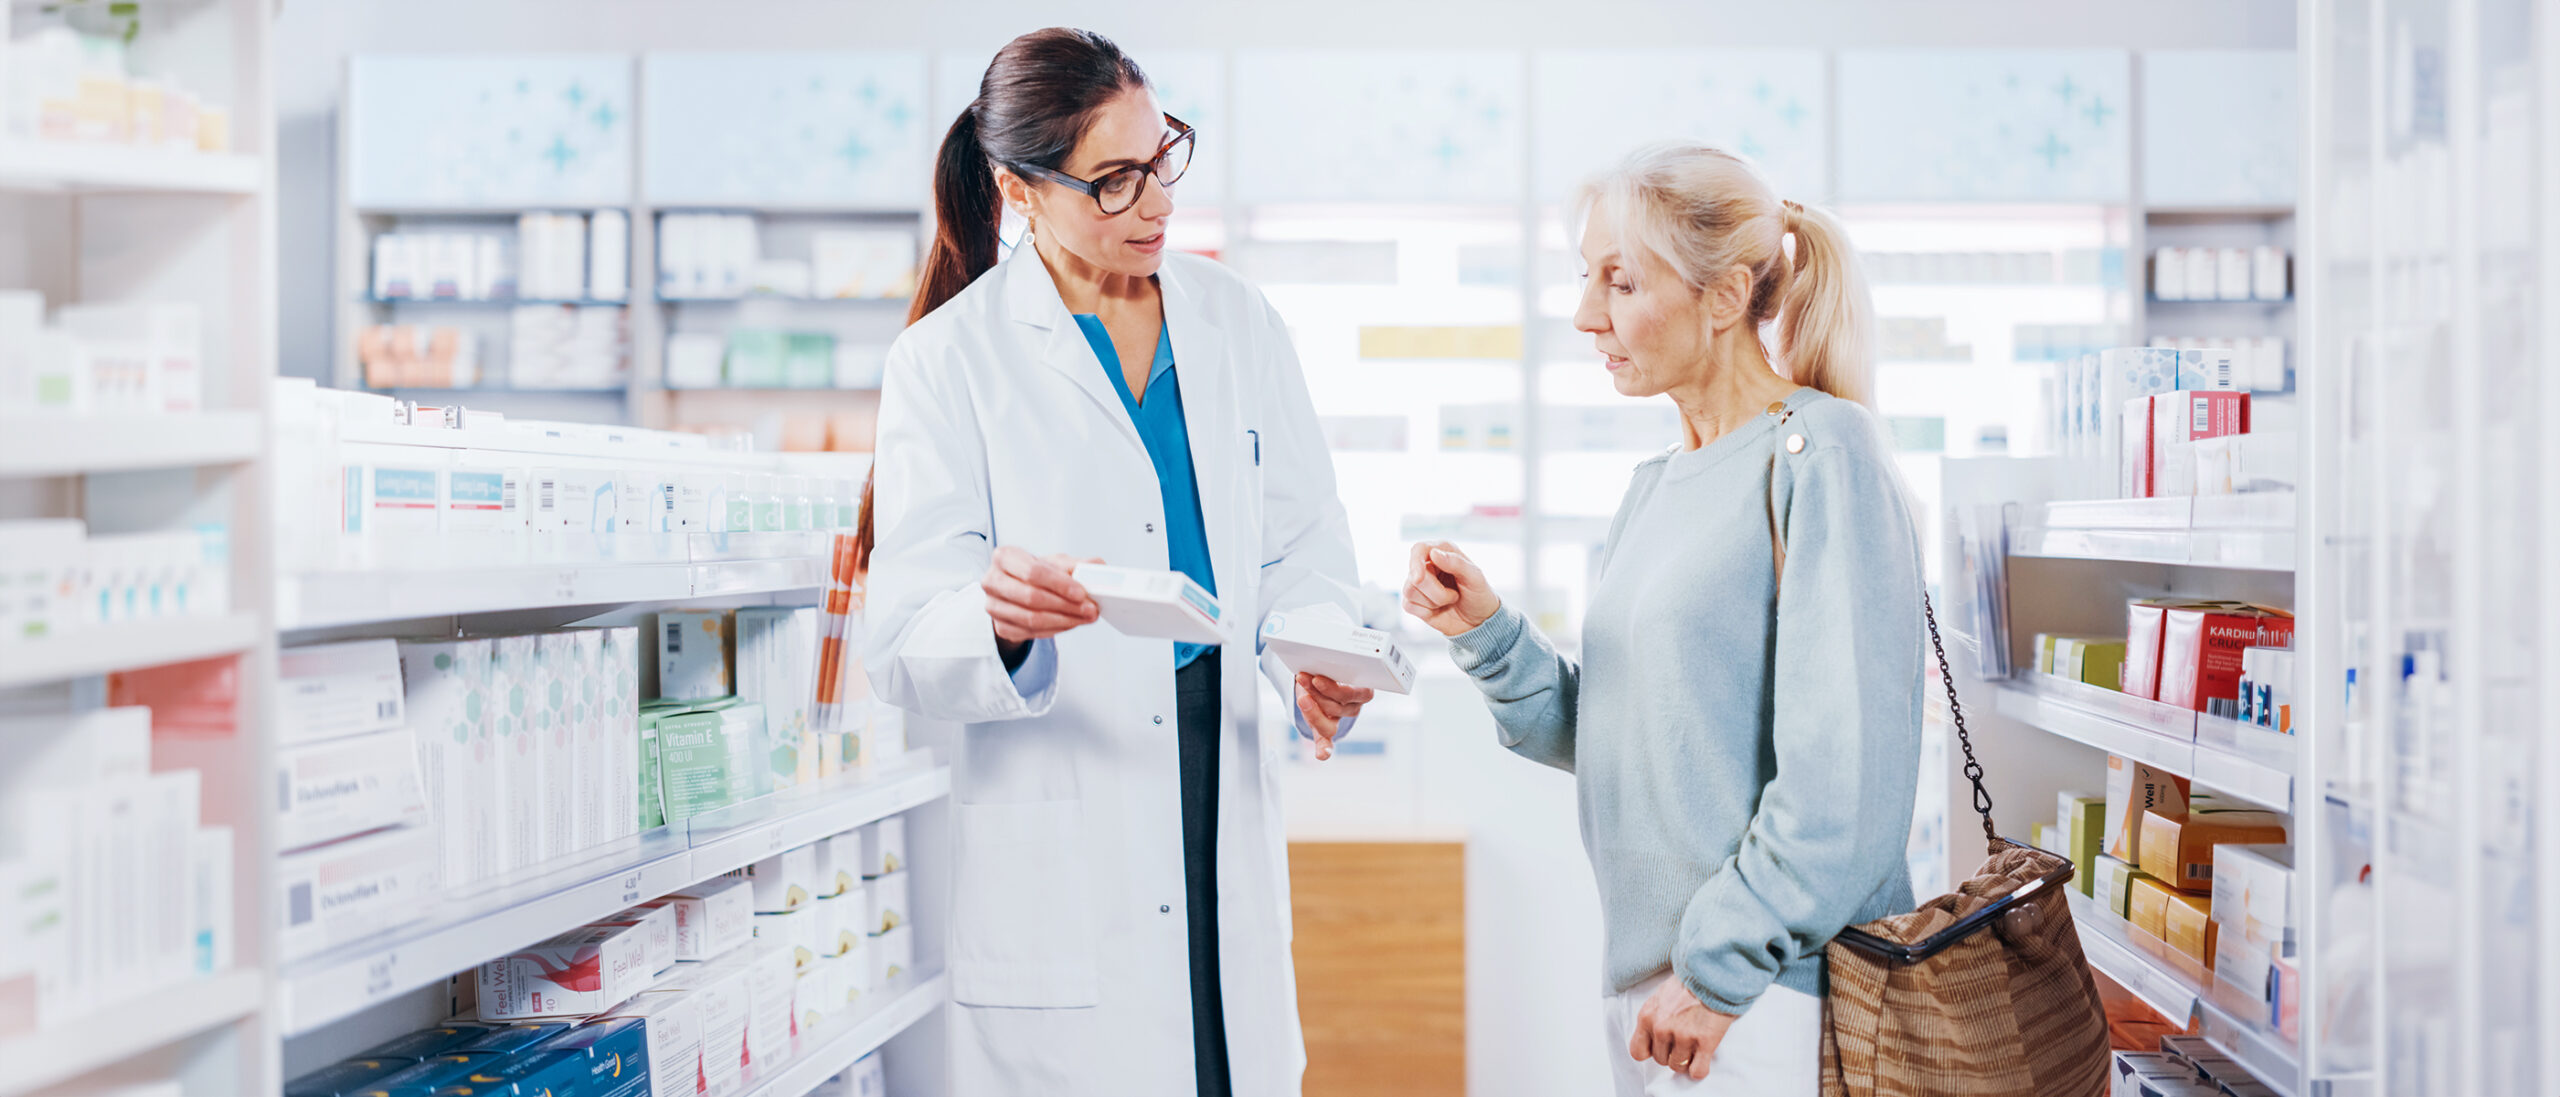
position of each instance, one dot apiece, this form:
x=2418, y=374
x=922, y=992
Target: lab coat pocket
x=1022, y=931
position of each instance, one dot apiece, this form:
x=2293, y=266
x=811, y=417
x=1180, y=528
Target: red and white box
x=2201, y=649
x=577, y=974
x=2182, y=417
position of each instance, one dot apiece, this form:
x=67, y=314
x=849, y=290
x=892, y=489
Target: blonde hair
x=1702, y=210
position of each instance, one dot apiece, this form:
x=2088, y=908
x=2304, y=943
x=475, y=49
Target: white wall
x=1533, y=920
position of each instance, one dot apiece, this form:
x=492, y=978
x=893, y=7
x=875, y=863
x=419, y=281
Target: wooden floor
x=1382, y=966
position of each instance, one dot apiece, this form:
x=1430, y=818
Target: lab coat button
x=1167, y=909
x=1151, y=527
x=1159, y=719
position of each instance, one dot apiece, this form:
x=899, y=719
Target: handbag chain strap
x=1946, y=673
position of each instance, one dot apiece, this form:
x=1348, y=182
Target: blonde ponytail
x=1826, y=321
x=1702, y=211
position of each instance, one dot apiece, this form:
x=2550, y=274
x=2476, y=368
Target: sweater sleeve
x=1530, y=686
x=1831, y=827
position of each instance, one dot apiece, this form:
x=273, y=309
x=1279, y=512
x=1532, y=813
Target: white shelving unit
x=115, y=224
x=831, y=1050
x=2247, y=532
x=2248, y=762
x=510, y=913
x=2180, y=988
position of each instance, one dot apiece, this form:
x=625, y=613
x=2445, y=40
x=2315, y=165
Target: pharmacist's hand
x=1035, y=597
x=1676, y=1030
x=1446, y=590
x=1326, y=704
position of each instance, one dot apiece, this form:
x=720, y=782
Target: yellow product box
x=2187, y=922
x=2132, y=789
x=2147, y=906
x=2179, y=849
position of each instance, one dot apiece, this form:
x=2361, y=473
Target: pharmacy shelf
x=496, y=302
x=780, y=299
x=65, y=445
x=2244, y=761
x=42, y=1059
x=2165, y=979
x=2240, y=532
x=332, y=599
x=44, y=166
x=836, y=1048
x=81, y=652
x=2238, y=1029
x=552, y=899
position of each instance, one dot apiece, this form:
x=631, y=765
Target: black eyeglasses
x=1119, y=189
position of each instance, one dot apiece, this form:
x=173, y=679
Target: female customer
x=1120, y=908
x=1743, y=724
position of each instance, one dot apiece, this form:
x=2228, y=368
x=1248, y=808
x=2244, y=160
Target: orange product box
x=2201, y=649
x=2188, y=920
x=2178, y=849
x=2148, y=907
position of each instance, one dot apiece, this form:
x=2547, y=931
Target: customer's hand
x=1446, y=590
x=1035, y=597
x=1326, y=704
x=1676, y=1030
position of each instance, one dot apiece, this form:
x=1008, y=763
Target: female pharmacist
x=1744, y=722
x=1120, y=913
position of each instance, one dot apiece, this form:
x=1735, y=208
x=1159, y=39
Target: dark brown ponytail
x=1035, y=102
x=1038, y=96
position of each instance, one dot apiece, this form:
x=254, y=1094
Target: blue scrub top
x=1168, y=440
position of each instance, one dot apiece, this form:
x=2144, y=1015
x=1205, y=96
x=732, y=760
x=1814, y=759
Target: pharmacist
x=1120, y=913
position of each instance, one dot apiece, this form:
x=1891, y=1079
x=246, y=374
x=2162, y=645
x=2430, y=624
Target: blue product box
x=509, y=1039
x=425, y=1076
x=617, y=1054
x=426, y=1042
x=338, y=1079
x=539, y=1074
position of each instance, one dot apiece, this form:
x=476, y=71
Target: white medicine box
x=1157, y=605
x=1325, y=641
x=334, y=690
x=884, y=847
x=785, y=881
x=694, y=654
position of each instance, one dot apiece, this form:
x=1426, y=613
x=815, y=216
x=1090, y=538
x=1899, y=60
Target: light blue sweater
x=1745, y=779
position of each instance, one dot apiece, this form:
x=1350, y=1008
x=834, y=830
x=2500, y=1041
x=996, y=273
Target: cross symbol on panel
x=559, y=153
x=2053, y=150
x=606, y=116
x=896, y=114
x=854, y=152
x=1447, y=151
x=1793, y=112
x=1761, y=91
x=2067, y=89
x=2099, y=111
x=577, y=95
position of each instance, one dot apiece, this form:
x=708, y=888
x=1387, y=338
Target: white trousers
x=1773, y=1050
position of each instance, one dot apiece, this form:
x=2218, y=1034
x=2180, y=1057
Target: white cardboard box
x=675, y=1040
x=343, y=787
x=785, y=881
x=893, y=954
x=330, y=690
x=797, y=929
x=889, y=901
x=693, y=660
x=884, y=847
x=1160, y=605
x=578, y=974
x=712, y=917
x=720, y=993
x=659, y=924
x=773, y=983
x=1322, y=640
x=332, y=894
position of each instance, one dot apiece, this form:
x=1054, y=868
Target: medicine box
x=453, y=713
x=884, y=847
x=712, y=917
x=2134, y=788
x=674, y=1034
x=694, y=653
x=2146, y=905
x=777, y=664
x=797, y=929
x=719, y=994
x=342, y=787
x=2115, y=884
x=2200, y=649
x=342, y=1077
x=332, y=690
x=699, y=754
x=786, y=881
x=425, y=1042
x=514, y=764
x=2179, y=848
x=839, y=863
x=427, y=1077
x=577, y=974
x=773, y=983
x=1161, y=605
x=2082, y=821
x=1324, y=641
x=889, y=901
x=2182, y=417
x=893, y=954
x=659, y=924
x=615, y=1055
x=328, y=895
x=2187, y=924
x=2266, y=688
x=2252, y=899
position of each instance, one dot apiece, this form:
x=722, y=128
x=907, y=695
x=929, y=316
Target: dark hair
x=1037, y=99
x=1033, y=105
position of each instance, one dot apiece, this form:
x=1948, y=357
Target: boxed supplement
x=712, y=917
x=616, y=1059
x=329, y=895
x=511, y=1039
x=892, y=955
x=593, y=796
x=2115, y=884
x=2210, y=369
x=331, y=690
x=1323, y=640
x=515, y=765
x=341, y=787
x=797, y=929
x=694, y=654
x=2266, y=688
x=674, y=1032
x=659, y=923
x=427, y=1076
x=820, y=994
x=773, y=981
x=453, y=710
x=2181, y=417
x=338, y=1078
x=889, y=898
x=577, y=974
x=2132, y=789
x=2082, y=820
x=2179, y=848
x=777, y=664
x=2145, y=624
x=2252, y=888
x=2187, y=924
x=2200, y=652
x=719, y=994
x=839, y=864
x=565, y=780
x=1161, y=605
x=696, y=757
x=2146, y=905
x=785, y=881
x=884, y=847
x=652, y=801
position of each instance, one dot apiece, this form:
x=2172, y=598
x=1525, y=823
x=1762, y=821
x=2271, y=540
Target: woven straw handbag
x=1980, y=993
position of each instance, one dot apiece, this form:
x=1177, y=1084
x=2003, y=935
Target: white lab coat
x=1068, y=951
